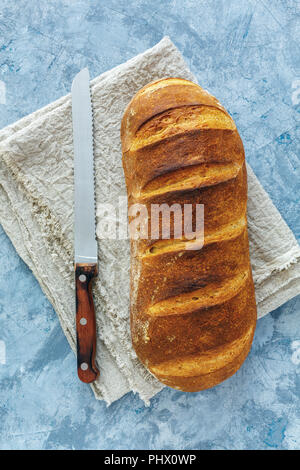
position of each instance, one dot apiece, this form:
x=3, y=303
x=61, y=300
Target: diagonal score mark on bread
x=173, y=123
x=204, y=363
x=197, y=176
x=227, y=232
x=212, y=294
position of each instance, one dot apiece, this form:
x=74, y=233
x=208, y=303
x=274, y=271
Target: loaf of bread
x=193, y=311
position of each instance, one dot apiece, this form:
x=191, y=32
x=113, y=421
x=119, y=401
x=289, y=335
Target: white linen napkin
x=36, y=211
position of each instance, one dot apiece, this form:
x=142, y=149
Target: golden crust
x=193, y=312
x=158, y=97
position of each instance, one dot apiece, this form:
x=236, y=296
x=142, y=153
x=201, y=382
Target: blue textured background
x=247, y=54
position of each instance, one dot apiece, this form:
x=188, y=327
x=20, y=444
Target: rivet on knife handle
x=85, y=322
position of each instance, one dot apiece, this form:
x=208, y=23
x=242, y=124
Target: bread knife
x=86, y=257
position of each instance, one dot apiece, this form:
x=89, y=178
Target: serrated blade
x=85, y=228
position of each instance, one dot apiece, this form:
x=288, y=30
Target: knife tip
x=83, y=74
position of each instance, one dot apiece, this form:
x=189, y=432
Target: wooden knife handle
x=85, y=322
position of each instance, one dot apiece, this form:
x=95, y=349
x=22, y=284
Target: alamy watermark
x=2, y=352
x=296, y=92
x=155, y=221
x=296, y=352
x=2, y=92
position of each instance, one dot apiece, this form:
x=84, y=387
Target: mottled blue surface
x=247, y=54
